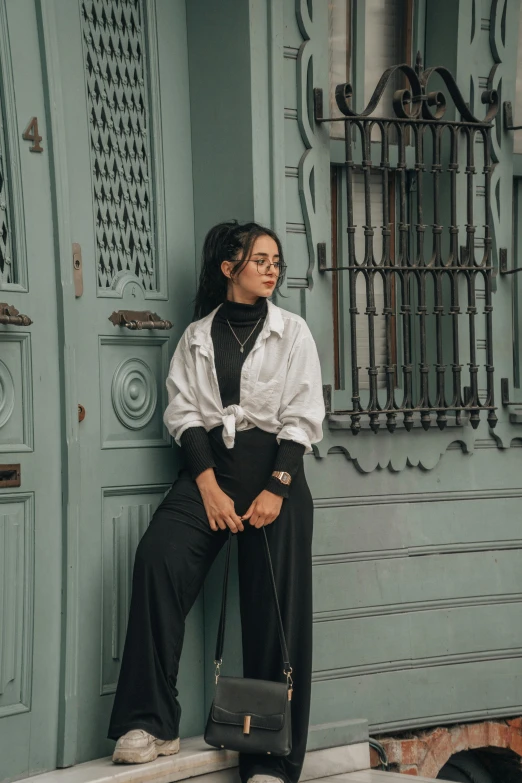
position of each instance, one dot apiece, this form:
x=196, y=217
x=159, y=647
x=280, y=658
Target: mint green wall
x=220, y=112
x=412, y=589
x=417, y=566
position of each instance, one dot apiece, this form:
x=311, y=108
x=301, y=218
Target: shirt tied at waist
x=234, y=419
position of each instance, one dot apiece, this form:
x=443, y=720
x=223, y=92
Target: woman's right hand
x=218, y=505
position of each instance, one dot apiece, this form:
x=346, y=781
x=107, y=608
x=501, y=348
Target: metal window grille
x=437, y=280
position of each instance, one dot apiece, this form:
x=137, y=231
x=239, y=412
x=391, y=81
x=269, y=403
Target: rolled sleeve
x=182, y=410
x=302, y=408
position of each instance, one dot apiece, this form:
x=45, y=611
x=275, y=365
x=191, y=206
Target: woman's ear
x=226, y=268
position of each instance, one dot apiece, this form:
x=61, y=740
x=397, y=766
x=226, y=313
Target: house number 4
x=31, y=134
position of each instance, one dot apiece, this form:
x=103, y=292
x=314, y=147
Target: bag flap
x=264, y=700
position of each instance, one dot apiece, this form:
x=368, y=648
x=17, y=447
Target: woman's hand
x=264, y=509
x=218, y=505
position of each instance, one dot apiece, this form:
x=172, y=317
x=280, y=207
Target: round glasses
x=263, y=265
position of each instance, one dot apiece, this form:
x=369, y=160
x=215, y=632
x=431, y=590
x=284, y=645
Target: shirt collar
x=273, y=323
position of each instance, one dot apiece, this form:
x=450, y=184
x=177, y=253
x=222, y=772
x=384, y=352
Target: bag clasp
x=218, y=666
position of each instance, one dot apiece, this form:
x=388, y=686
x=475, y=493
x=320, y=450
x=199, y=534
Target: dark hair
x=230, y=241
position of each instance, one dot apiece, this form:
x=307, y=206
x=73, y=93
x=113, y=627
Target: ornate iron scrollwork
x=453, y=271
x=139, y=319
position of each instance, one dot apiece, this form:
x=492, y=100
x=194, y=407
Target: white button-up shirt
x=281, y=389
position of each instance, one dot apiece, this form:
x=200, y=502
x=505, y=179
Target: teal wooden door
x=30, y=423
x=123, y=136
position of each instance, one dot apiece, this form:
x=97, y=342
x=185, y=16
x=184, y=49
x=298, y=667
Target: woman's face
x=255, y=279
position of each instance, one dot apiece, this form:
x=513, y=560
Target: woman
x=245, y=404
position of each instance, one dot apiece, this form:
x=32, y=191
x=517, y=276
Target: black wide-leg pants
x=172, y=561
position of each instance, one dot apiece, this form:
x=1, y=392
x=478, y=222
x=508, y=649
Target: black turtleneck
x=245, y=320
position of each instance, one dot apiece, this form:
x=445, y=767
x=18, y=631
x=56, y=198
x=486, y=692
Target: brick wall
x=425, y=752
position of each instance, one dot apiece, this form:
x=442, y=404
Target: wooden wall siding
x=417, y=547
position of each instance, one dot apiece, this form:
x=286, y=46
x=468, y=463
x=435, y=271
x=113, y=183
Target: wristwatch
x=282, y=476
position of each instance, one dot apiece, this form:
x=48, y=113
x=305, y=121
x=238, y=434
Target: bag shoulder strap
x=222, y=620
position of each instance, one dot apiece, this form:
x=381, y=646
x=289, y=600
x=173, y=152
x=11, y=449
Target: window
x=340, y=50
x=386, y=30
x=363, y=42
x=388, y=26
x=411, y=263
x=366, y=295
x=516, y=249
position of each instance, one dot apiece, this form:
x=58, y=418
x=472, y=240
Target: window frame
x=414, y=41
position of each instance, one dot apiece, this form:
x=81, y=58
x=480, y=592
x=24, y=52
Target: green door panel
x=127, y=149
x=30, y=424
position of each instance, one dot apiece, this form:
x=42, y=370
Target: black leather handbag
x=248, y=715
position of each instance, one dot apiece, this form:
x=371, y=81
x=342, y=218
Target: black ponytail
x=230, y=241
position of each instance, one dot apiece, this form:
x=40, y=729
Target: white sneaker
x=138, y=746
x=264, y=779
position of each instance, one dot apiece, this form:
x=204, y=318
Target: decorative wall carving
x=116, y=64
x=309, y=161
x=134, y=393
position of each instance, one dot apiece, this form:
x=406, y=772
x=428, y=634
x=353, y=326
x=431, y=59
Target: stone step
x=376, y=776
x=197, y=759
x=361, y=776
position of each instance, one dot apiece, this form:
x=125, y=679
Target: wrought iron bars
x=430, y=281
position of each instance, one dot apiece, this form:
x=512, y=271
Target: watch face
x=285, y=478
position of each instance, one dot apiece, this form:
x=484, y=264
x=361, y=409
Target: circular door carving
x=134, y=393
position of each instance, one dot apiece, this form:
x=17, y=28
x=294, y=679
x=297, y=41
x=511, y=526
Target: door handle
x=10, y=315
x=139, y=319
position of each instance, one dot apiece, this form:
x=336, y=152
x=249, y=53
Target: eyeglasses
x=263, y=265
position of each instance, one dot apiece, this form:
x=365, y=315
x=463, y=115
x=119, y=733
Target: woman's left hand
x=264, y=509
